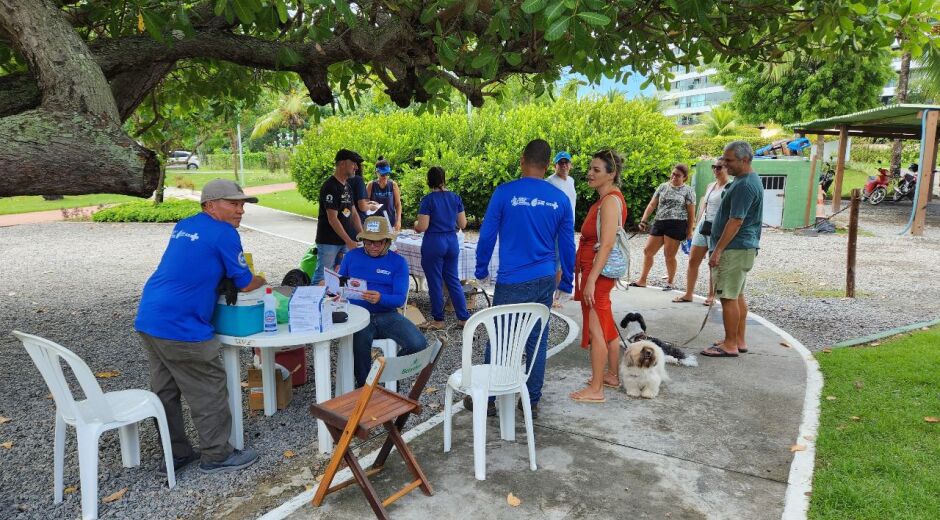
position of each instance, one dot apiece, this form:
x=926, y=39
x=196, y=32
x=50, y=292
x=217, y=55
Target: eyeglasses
x=717, y=167
x=367, y=242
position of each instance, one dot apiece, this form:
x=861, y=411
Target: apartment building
x=694, y=92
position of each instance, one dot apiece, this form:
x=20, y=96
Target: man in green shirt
x=733, y=244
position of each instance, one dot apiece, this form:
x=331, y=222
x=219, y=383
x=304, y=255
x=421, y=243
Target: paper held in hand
x=377, y=208
x=310, y=310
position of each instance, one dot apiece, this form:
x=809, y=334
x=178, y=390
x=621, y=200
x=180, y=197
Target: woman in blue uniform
x=385, y=191
x=441, y=214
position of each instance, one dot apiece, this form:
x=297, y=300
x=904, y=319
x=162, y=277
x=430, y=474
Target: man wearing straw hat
x=386, y=275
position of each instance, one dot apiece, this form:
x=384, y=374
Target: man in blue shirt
x=733, y=243
x=528, y=216
x=386, y=276
x=173, y=321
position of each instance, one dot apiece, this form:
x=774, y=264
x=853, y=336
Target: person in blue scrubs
x=440, y=215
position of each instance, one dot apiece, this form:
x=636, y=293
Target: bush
x=874, y=151
x=480, y=153
x=227, y=161
x=146, y=211
x=701, y=146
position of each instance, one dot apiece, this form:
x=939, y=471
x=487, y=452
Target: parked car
x=182, y=159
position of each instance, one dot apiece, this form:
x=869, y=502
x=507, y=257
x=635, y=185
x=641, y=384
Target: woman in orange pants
x=593, y=289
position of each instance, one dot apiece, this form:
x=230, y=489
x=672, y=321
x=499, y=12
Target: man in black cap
x=338, y=219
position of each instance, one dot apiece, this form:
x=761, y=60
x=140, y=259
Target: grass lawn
x=201, y=177
x=877, y=456
x=29, y=204
x=290, y=201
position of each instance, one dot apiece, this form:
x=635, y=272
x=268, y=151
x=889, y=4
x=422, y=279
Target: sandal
x=668, y=287
x=432, y=325
x=708, y=302
x=680, y=299
x=718, y=344
x=608, y=385
x=634, y=284
x=717, y=352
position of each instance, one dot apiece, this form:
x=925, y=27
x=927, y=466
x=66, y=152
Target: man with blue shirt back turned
x=386, y=276
x=173, y=321
x=528, y=216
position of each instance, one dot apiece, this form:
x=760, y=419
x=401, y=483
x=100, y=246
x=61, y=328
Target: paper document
x=378, y=207
x=355, y=287
x=305, y=310
x=331, y=278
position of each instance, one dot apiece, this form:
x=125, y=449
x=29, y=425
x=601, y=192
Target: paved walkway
x=715, y=444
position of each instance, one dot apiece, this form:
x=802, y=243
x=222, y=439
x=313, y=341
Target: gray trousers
x=193, y=371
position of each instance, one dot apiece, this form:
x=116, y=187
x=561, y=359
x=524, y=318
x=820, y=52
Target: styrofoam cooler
x=244, y=318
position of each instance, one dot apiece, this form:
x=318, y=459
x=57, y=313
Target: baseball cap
x=384, y=170
x=563, y=155
x=224, y=189
x=347, y=155
x=376, y=228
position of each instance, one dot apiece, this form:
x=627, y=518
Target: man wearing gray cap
x=174, y=323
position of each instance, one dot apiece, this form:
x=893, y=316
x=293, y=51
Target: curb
x=298, y=501
x=884, y=334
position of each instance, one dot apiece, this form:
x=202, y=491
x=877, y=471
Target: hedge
x=701, y=146
x=226, y=161
x=480, y=153
x=172, y=210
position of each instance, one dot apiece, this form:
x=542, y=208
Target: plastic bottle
x=686, y=246
x=270, y=311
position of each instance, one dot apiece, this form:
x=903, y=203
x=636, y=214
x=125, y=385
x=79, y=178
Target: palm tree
x=722, y=120
x=290, y=112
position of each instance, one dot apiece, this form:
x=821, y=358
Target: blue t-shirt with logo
x=528, y=216
x=743, y=198
x=442, y=208
x=179, y=298
x=387, y=274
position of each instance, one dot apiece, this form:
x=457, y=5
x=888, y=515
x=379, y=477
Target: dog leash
x=711, y=287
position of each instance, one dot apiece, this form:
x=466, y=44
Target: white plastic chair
x=508, y=328
x=91, y=417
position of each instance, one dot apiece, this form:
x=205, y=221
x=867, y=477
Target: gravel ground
x=78, y=284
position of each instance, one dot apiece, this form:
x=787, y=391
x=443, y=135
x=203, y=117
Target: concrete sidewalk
x=715, y=443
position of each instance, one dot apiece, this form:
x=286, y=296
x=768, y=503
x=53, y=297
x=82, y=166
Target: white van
x=182, y=159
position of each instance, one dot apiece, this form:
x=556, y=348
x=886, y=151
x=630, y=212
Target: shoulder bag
x=618, y=262
x=706, y=228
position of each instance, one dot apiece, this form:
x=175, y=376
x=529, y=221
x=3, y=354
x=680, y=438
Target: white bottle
x=270, y=311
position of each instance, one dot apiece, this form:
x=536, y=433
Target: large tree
x=803, y=86
x=74, y=70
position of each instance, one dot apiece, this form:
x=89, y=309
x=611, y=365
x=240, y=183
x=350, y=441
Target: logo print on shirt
x=524, y=201
x=329, y=198
x=383, y=271
x=241, y=260
x=182, y=234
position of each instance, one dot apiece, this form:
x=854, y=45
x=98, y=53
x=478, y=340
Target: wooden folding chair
x=360, y=411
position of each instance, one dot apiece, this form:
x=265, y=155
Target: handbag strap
x=619, y=211
x=705, y=206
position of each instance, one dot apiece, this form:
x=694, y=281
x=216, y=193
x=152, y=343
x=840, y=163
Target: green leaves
x=594, y=18
x=533, y=6
x=557, y=29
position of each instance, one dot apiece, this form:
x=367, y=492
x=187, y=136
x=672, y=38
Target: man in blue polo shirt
x=386, y=276
x=528, y=216
x=173, y=321
x=733, y=243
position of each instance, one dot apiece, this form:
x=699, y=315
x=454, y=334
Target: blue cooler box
x=244, y=318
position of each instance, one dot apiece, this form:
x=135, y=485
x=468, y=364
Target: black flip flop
x=721, y=353
x=740, y=350
x=634, y=284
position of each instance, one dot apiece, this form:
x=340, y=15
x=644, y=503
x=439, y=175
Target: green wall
x=795, y=189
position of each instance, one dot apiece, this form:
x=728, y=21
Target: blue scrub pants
x=439, y=255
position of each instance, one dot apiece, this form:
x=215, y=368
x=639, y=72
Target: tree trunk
x=57, y=153
x=73, y=143
x=900, y=95
x=233, y=138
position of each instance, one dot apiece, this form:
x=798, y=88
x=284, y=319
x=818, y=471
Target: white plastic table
x=269, y=343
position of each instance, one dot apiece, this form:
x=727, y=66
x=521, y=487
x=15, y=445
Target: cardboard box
x=284, y=391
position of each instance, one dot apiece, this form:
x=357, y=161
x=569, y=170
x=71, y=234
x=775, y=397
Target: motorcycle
x=876, y=189
x=907, y=184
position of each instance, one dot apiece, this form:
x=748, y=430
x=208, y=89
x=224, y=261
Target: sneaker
x=178, y=463
x=239, y=459
x=535, y=409
x=490, y=406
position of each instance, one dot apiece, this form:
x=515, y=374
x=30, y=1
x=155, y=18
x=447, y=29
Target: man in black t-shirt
x=338, y=219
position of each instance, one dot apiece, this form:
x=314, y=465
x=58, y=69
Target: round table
x=270, y=342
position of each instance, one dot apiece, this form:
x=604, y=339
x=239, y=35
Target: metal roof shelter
x=902, y=121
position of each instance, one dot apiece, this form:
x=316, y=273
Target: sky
x=630, y=87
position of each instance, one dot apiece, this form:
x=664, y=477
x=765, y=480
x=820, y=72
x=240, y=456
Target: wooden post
x=926, y=172
x=840, y=168
x=813, y=184
x=853, y=237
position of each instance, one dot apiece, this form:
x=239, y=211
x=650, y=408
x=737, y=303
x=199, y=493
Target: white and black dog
x=635, y=326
